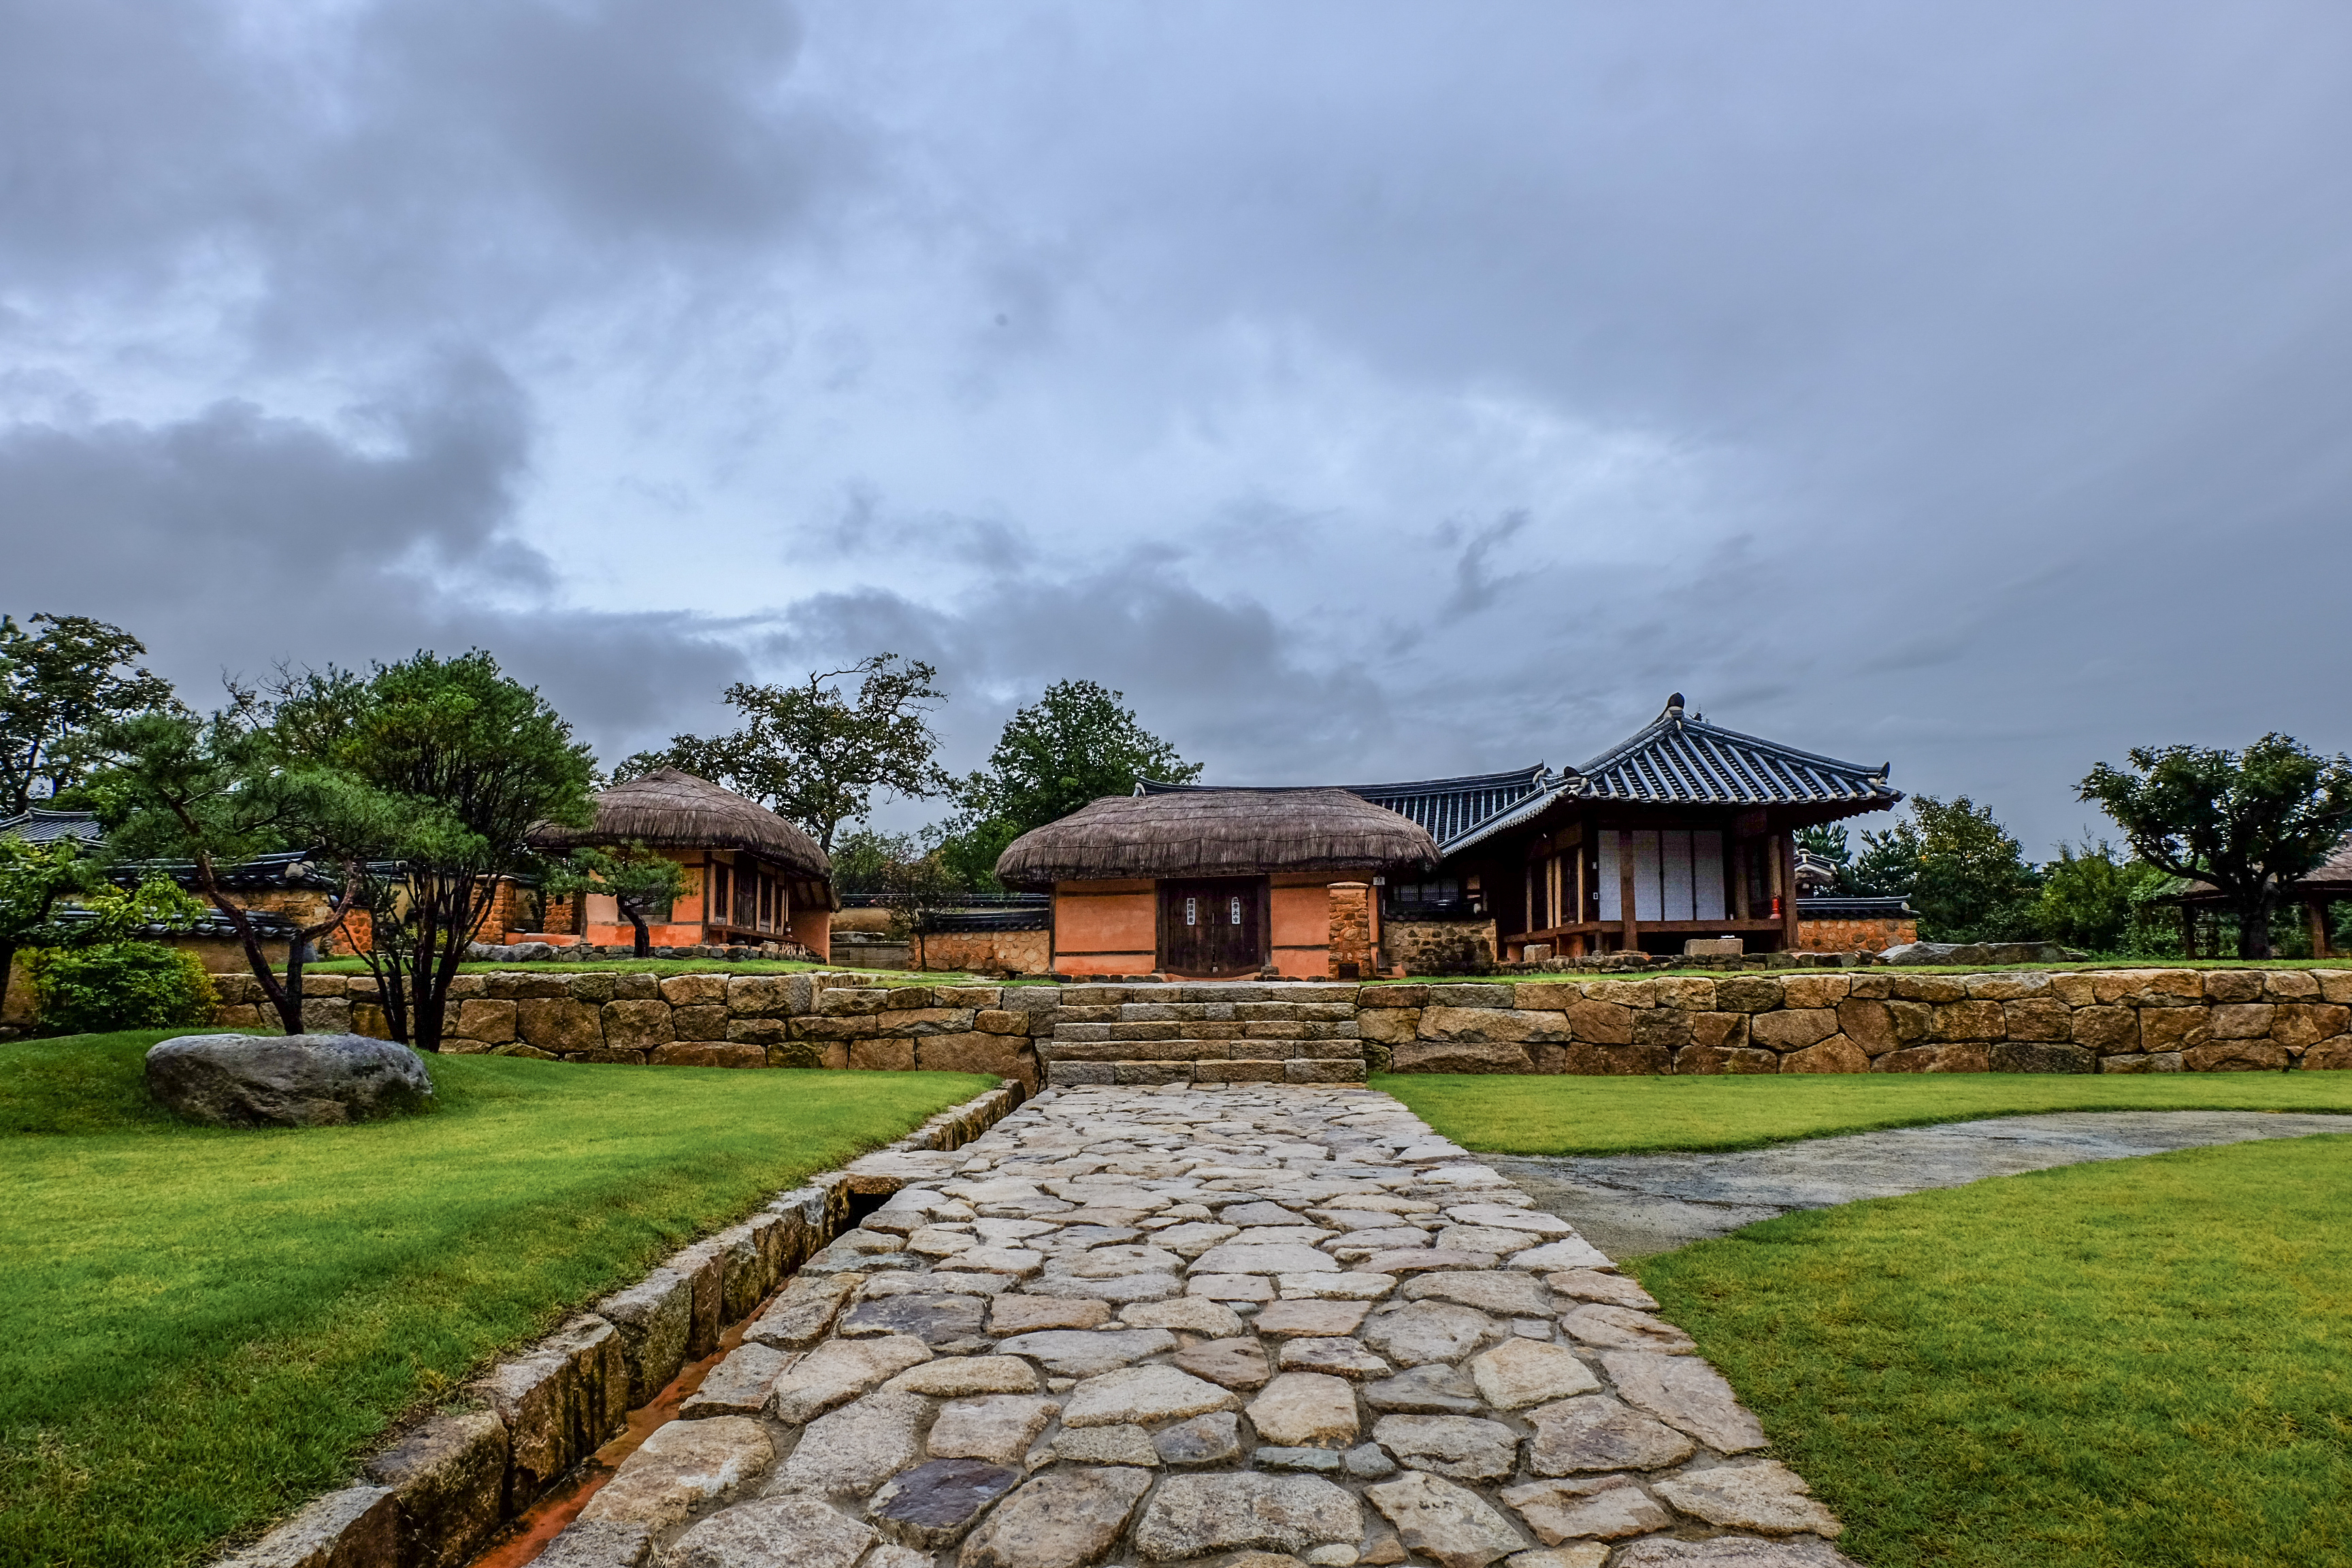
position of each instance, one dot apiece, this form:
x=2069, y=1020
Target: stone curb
x=443, y=1489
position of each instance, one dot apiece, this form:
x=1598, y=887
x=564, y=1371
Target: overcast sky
x=1369, y=390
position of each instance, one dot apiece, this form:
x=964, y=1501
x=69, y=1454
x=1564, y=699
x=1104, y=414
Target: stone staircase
x=1203, y=1032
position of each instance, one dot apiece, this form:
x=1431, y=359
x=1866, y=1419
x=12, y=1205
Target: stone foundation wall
x=1436, y=947
x=1870, y=1020
x=440, y=1492
x=1854, y=936
x=988, y=952
x=808, y=1020
x=2120, y=1020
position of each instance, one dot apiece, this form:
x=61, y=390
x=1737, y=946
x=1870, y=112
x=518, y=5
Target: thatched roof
x=668, y=809
x=1216, y=833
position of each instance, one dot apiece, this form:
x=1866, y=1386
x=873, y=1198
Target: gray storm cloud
x=1366, y=391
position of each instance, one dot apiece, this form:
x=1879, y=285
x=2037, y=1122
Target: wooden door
x=1211, y=926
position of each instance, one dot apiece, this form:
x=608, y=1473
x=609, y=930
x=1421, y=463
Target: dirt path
x=1634, y=1205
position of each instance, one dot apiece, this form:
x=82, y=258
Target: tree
x=816, y=756
x=911, y=888
x=1076, y=745
x=56, y=687
x=1961, y=869
x=215, y=792
x=444, y=767
x=638, y=881
x=32, y=877
x=863, y=857
x=2090, y=899
x=2246, y=823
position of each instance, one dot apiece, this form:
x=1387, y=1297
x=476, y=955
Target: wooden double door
x=1212, y=926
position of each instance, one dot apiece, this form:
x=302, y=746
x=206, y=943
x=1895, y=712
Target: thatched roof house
x=2327, y=883
x=1183, y=879
x=751, y=877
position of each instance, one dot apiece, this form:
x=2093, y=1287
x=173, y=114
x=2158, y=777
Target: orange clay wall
x=1106, y=928
x=1302, y=927
x=813, y=928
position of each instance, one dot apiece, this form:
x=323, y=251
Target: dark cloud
x=1364, y=390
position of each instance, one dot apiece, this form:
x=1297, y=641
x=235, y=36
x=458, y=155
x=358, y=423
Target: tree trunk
x=645, y=942
x=2254, y=923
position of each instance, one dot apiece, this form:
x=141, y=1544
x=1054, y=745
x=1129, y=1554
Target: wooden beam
x=2318, y=907
x=1739, y=879
x=1786, y=843
x=1630, y=941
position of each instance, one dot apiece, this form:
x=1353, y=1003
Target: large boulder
x=287, y=1080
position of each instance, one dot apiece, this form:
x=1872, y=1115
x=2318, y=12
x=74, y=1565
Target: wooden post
x=2187, y=931
x=1630, y=941
x=1739, y=876
x=2318, y=907
x=1787, y=846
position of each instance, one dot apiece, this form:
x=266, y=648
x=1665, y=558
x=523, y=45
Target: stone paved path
x=1257, y=1325
x=1640, y=1203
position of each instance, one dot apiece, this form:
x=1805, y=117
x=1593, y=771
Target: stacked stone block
x=1210, y=1033
x=2121, y=1020
x=806, y=1020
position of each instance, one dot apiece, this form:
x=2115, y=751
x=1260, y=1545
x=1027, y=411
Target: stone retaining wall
x=2117, y=1020
x=438, y=1494
x=1869, y=1020
x=807, y=1020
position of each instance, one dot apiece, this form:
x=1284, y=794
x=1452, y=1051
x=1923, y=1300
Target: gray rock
x=1511, y=1295
x=1369, y=1461
x=1520, y=1371
x=800, y=1317
x=1062, y=1519
x=1608, y=1508
x=1686, y=1392
x=1087, y=1352
x=679, y=1466
x=1125, y=1444
x=1143, y=1394
x=1985, y=953
x=998, y=1428
x=1306, y=1410
x=1450, y=1523
x=779, y=1532
x=354, y=1527
x=1430, y=1331
x=1340, y=1357
x=1596, y=1432
x=1194, y=1515
x=1312, y=1461
x=1461, y=1446
x=448, y=1479
x=1732, y=1551
x=840, y=1370
x=933, y=1505
x=599, y=1544
x=1210, y=1439
x=291, y=1080
x=934, y=1320
x=1767, y=1497
x=1435, y=1389
x=740, y=1386
x=858, y=1447
x=1623, y=1328
x=1234, y=1364
x=654, y=1318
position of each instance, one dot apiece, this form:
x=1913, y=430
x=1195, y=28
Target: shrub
x=120, y=985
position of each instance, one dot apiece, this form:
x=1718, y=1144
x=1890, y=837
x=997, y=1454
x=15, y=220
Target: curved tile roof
x=1683, y=761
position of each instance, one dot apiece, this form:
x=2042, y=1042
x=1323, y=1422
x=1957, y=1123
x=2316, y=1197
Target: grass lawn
x=2145, y=1361
x=200, y=1328
x=693, y=967
x=1569, y=1115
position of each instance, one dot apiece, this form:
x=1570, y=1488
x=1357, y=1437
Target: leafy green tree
x=2092, y=899
x=814, y=755
x=57, y=685
x=1076, y=744
x=639, y=881
x=441, y=768
x=217, y=790
x=32, y=878
x=2247, y=822
x=862, y=858
x=1960, y=868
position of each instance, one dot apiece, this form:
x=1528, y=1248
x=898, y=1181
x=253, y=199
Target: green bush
x=120, y=985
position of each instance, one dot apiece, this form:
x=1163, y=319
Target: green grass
x=2143, y=1363
x=1570, y=1115
x=694, y=966
x=199, y=1328
x=2075, y=966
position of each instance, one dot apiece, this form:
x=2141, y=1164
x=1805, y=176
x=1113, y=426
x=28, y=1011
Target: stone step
x=1199, y=1050
x=1064, y=1074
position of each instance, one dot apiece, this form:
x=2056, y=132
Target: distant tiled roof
x=287, y=869
x=38, y=826
x=1451, y=807
x=1682, y=760
x=1840, y=907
